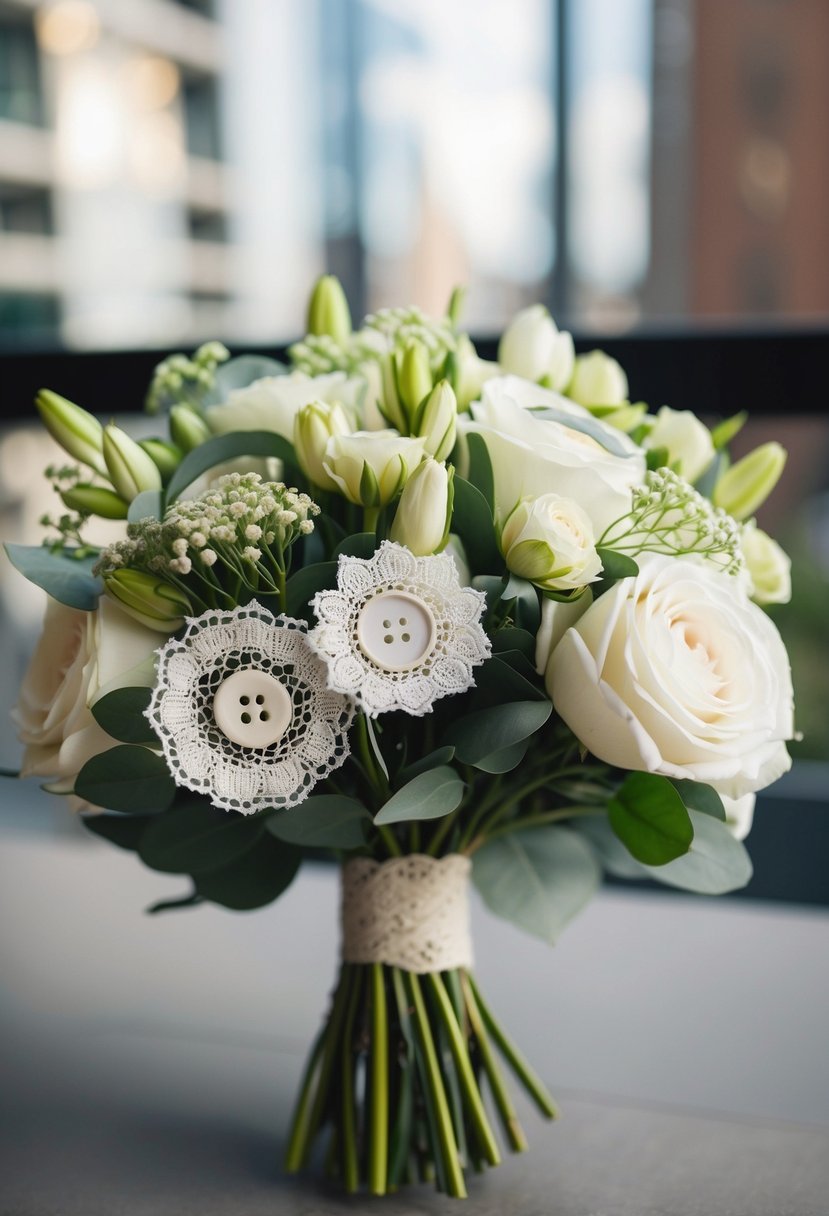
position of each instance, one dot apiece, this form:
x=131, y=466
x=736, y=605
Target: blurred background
x=656, y=171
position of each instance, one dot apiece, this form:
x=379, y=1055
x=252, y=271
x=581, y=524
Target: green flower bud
x=437, y=420
x=328, y=311
x=424, y=512
x=129, y=468
x=95, y=500
x=188, y=429
x=414, y=376
x=77, y=432
x=165, y=456
x=149, y=599
x=747, y=484
x=313, y=427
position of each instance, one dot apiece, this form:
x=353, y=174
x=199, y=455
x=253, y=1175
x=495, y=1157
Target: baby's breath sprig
x=231, y=543
x=179, y=379
x=670, y=516
x=382, y=332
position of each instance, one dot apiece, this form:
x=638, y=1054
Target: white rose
x=598, y=380
x=769, y=568
x=532, y=456
x=675, y=671
x=528, y=395
x=550, y=541
x=556, y=618
x=533, y=346
x=80, y=657
x=370, y=468
x=687, y=440
x=739, y=814
x=272, y=403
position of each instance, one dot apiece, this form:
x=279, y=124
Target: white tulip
x=313, y=427
x=598, y=380
x=687, y=440
x=424, y=512
x=370, y=468
x=533, y=346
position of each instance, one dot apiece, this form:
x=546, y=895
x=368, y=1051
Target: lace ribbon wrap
x=409, y=912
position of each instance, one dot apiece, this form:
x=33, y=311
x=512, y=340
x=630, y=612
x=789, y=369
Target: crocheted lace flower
x=400, y=632
x=243, y=710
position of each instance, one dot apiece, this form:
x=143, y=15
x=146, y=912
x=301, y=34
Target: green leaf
x=121, y=714
x=226, y=447
x=197, y=838
x=480, y=468
x=656, y=458
x=509, y=678
x=515, y=639
x=506, y=759
x=326, y=821
x=303, y=586
x=725, y=431
x=649, y=817
x=256, y=879
x=538, y=879
x=126, y=778
x=525, y=606
x=441, y=755
x=472, y=521
x=174, y=905
x=605, y=436
x=67, y=579
x=699, y=797
x=617, y=565
x=715, y=864
x=428, y=796
x=360, y=544
x=612, y=854
x=149, y=504
x=125, y=831
x=239, y=373
x=492, y=585
x=480, y=735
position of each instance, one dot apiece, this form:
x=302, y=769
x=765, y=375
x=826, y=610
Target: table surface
x=150, y=1062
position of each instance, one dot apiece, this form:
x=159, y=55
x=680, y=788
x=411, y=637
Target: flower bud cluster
x=179, y=378
x=670, y=516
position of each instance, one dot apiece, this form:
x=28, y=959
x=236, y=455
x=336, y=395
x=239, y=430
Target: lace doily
x=214, y=646
x=457, y=643
x=410, y=912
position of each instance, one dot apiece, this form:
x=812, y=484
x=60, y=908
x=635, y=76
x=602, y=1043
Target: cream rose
x=80, y=657
x=550, y=541
x=532, y=455
x=272, y=403
x=675, y=671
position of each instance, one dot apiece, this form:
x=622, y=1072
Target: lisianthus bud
x=370, y=468
x=768, y=566
x=95, y=500
x=188, y=429
x=687, y=440
x=437, y=420
x=533, y=347
x=314, y=425
x=747, y=484
x=549, y=540
x=328, y=311
x=149, y=599
x=414, y=376
x=77, y=432
x=129, y=468
x=165, y=456
x=598, y=380
x=424, y=512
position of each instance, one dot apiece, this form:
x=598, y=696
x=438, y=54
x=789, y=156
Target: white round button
x=252, y=708
x=396, y=630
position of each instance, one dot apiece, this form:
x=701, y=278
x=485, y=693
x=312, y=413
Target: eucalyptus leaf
x=255, y=879
x=715, y=864
x=67, y=579
x=538, y=879
x=605, y=436
x=492, y=586
x=126, y=778
x=125, y=831
x=512, y=638
x=525, y=606
x=197, y=838
x=121, y=714
x=360, y=544
x=428, y=796
x=480, y=467
x=227, y=447
x=326, y=821
x=472, y=521
x=480, y=735
x=509, y=677
x=612, y=854
x=649, y=817
x=147, y=505
x=441, y=755
x=505, y=760
x=303, y=586
x=699, y=797
x=617, y=565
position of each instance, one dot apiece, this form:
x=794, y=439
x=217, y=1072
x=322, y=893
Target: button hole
x=246, y=718
x=244, y=700
x=403, y=620
x=407, y=637
x=387, y=624
x=260, y=700
x=388, y=639
x=263, y=717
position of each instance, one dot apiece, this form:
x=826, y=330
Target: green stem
x=370, y=517
x=532, y=821
x=347, y=1126
x=300, y=1123
x=332, y=1036
x=514, y=1057
x=509, y=1117
x=281, y=587
x=463, y=1067
x=378, y=1150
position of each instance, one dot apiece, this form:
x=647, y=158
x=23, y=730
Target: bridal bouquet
x=436, y=618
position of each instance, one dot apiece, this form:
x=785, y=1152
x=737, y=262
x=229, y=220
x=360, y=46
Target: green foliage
x=226, y=447
x=656, y=458
x=472, y=521
x=121, y=714
x=197, y=838
x=648, y=815
x=507, y=677
x=715, y=864
x=149, y=504
x=538, y=878
x=257, y=878
x=125, y=831
x=480, y=468
x=126, y=778
x=66, y=578
x=428, y=796
x=505, y=760
x=700, y=797
x=303, y=586
x=726, y=430
x=360, y=544
x=617, y=565
x=525, y=608
x=479, y=736
x=513, y=638
x=326, y=821
x=441, y=755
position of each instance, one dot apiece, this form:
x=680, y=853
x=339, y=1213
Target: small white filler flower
x=399, y=632
x=243, y=712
